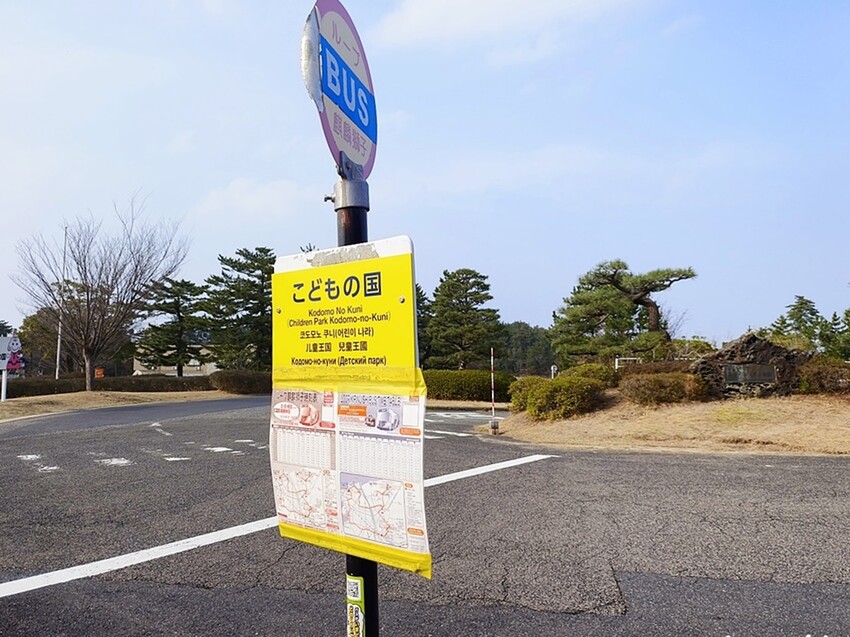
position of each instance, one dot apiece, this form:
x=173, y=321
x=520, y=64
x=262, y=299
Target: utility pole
x=61, y=303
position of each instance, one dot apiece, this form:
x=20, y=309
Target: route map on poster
x=348, y=403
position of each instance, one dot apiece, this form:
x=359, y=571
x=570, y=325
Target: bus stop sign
x=338, y=80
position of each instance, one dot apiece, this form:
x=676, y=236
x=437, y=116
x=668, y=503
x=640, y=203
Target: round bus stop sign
x=339, y=82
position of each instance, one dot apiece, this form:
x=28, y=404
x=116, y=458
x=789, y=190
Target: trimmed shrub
x=466, y=384
x=152, y=383
x=242, y=381
x=521, y=389
x=655, y=367
x=657, y=389
x=563, y=397
x=823, y=375
x=605, y=374
x=23, y=387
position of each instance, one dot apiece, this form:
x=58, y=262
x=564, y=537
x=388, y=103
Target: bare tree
x=98, y=286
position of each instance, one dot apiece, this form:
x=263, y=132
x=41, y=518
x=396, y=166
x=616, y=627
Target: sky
x=527, y=141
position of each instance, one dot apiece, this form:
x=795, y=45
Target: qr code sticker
x=353, y=588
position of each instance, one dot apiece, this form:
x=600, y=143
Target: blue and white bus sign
x=339, y=82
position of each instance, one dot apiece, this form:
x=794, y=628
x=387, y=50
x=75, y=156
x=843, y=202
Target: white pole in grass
x=494, y=424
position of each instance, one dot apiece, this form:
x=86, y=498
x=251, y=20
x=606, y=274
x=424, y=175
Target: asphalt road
x=584, y=543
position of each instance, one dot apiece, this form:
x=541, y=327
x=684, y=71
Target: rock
x=750, y=366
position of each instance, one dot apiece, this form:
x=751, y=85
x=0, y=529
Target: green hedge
x=521, y=389
x=22, y=387
x=41, y=386
x=605, y=374
x=822, y=375
x=242, y=381
x=466, y=384
x=563, y=397
x=657, y=389
x=152, y=383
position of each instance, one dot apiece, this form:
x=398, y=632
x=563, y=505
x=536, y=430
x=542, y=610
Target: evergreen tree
x=39, y=335
x=239, y=308
x=5, y=328
x=527, y=350
x=801, y=327
x=835, y=336
x=423, y=319
x=805, y=320
x=612, y=311
x=180, y=339
x=461, y=330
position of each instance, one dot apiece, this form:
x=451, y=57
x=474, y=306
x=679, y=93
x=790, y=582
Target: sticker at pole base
x=348, y=403
x=356, y=605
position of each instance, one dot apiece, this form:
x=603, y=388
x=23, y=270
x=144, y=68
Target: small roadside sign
x=338, y=80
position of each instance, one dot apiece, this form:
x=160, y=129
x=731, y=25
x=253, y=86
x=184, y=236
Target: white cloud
x=417, y=23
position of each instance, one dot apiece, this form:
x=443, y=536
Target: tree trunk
x=653, y=316
x=89, y=371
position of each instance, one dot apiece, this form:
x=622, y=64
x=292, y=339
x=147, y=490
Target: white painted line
x=218, y=449
x=26, y=584
x=174, y=459
x=451, y=433
x=427, y=437
x=460, y=475
x=158, y=427
x=32, y=460
x=115, y=462
x=131, y=559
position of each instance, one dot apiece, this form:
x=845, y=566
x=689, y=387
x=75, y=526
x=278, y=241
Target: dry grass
x=39, y=405
x=795, y=424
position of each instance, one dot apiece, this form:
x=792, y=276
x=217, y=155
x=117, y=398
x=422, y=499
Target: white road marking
x=427, y=437
x=174, y=459
x=463, y=415
x=158, y=428
x=26, y=584
x=247, y=441
x=468, y=473
x=451, y=433
x=32, y=459
x=115, y=462
x=217, y=449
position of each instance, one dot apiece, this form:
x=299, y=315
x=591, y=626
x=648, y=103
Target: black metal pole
x=351, y=202
x=351, y=226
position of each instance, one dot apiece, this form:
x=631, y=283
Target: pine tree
x=423, y=318
x=461, y=330
x=179, y=340
x=239, y=307
x=612, y=311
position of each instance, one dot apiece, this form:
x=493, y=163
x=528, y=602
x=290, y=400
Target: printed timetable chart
x=348, y=404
